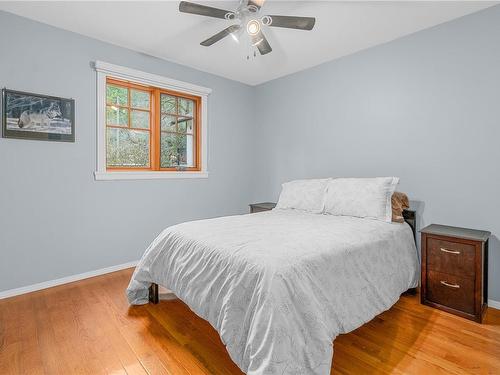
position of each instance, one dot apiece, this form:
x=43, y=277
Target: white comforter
x=279, y=286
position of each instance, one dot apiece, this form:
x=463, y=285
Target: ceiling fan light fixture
x=253, y=27
x=252, y=8
x=266, y=20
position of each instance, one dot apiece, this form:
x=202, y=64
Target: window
x=128, y=126
x=149, y=126
x=137, y=139
x=178, y=131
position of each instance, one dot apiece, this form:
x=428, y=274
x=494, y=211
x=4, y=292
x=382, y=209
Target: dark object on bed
x=408, y=215
x=455, y=270
x=399, y=203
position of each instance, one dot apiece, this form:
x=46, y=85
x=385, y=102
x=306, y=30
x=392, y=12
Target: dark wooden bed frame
x=409, y=216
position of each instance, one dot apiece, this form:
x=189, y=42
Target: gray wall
x=55, y=220
x=425, y=107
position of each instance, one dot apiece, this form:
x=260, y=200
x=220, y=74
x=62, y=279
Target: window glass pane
x=116, y=95
x=177, y=150
x=168, y=151
x=185, y=125
x=168, y=104
x=186, y=107
x=169, y=123
x=127, y=148
x=139, y=99
x=116, y=116
x=139, y=119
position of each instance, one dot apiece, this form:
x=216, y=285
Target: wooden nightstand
x=259, y=207
x=455, y=270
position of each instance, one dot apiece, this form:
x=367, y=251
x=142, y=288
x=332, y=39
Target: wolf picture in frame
x=40, y=117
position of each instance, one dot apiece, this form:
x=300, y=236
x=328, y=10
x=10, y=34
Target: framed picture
x=41, y=117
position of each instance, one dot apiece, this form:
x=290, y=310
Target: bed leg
x=412, y=291
x=153, y=294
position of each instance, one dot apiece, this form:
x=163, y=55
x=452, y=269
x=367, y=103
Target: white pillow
x=361, y=197
x=307, y=195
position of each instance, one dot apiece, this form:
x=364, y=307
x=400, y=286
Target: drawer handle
x=450, y=285
x=449, y=251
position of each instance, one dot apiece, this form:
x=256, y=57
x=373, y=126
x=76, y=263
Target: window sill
x=107, y=176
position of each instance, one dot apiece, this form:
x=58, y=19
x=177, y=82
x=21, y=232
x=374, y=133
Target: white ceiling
x=158, y=29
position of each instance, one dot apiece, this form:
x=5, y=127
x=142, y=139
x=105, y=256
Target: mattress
x=280, y=285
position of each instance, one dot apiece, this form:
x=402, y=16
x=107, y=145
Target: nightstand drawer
x=451, y=257
x=451, y=291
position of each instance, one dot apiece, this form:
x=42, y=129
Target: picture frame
x=32, y=116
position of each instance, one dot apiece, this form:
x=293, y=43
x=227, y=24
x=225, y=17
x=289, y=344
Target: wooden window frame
x=154, y=129
x=156, y=85
x=129, y=86
x=197, y=128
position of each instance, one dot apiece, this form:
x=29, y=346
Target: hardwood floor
x=87, y=327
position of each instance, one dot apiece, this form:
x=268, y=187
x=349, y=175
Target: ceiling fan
x=246, y=17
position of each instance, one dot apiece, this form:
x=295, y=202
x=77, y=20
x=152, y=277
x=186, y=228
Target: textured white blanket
x=279, y=286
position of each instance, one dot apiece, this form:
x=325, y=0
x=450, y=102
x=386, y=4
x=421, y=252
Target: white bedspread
x=280, y=285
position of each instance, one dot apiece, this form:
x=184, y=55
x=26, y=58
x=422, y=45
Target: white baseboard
x=494, y=304
x=65, y=280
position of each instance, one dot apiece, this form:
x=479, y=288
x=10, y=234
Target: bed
x=280, y=285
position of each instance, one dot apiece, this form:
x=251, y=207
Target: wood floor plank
x=193, y=333
x=50, y=349
x=19, y=352
x=170, y=352
x=88, y=327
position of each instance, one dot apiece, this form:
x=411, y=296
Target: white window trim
x=105, y=70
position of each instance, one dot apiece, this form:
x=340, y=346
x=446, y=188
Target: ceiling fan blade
x=202, y=10
x=220, y=35
x=260, y=41
x=293, y=22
